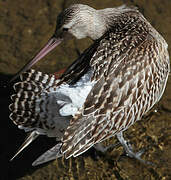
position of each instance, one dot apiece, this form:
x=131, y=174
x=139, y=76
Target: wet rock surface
x=25, y=26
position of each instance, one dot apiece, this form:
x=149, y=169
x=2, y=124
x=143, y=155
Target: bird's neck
x=105, y=19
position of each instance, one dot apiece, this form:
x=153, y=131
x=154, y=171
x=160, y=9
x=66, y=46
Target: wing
x=35, y=105
x=130, y=77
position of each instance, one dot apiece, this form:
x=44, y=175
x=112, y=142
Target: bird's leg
x=129, y=151
x=101, y=148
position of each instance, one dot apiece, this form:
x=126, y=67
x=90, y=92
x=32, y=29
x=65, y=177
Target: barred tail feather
x=33, y=98
x=35, y=109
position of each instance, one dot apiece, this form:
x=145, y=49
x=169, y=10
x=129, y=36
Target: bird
x=108, y=88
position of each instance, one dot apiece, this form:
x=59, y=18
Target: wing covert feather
x=118, y=99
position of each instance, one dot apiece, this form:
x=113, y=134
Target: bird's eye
x=65, y=29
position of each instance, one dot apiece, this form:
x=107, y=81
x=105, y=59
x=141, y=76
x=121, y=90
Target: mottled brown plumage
x=128, y=65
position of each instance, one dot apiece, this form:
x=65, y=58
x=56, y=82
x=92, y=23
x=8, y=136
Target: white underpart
x=77, y=94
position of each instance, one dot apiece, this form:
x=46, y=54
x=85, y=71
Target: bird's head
x=79, y=21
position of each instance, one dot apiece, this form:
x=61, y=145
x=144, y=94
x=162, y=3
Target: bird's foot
x=129, y=150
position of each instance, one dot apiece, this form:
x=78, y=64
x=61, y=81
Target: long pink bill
x=51, y=44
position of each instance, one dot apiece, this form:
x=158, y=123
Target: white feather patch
x=77, y=93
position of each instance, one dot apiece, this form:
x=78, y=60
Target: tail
x=35, y=107
x=26, y=106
